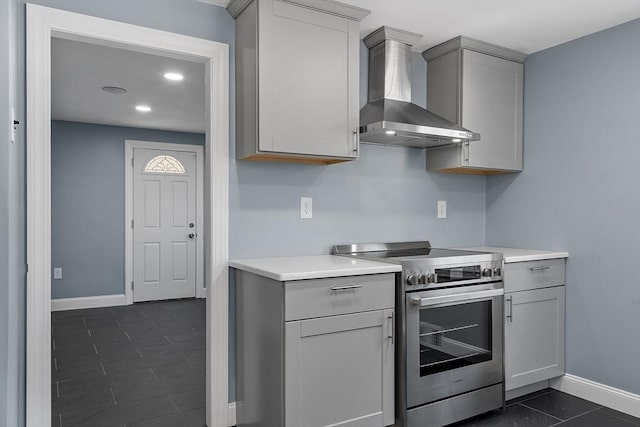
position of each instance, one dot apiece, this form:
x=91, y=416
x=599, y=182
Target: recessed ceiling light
x=456, y=140
x=143, y=108
x=176, y=77
x=115, y=90
x=390, y=132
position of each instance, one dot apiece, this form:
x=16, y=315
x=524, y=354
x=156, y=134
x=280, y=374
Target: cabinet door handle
x=510, y=308
x=356, y=140
x=540, y=268
x=345, y=288
x=391, y=328
x=465, y=153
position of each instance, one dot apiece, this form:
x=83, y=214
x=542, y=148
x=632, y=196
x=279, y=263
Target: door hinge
x=132, y=286
x=132, y=162
x=131, y=223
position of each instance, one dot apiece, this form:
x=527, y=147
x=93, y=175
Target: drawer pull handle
x=539, y=268
x=345, y=288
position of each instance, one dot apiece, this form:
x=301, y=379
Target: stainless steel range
x=449, y=304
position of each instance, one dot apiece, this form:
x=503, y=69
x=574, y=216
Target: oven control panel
x=417, y=278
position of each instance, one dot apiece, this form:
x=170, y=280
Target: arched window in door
x=165, y=164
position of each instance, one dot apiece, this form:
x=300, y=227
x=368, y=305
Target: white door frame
x=129, y=145
x=42, y=24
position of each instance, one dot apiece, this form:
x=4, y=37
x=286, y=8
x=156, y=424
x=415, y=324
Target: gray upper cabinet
x=297, y=88
x=479, y=86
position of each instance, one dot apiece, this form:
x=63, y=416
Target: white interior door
x=165, y=230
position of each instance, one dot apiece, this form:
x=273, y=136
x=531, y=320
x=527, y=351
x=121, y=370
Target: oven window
x=455, y=336
x=446, y=275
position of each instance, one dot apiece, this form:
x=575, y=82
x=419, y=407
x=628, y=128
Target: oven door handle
x=469, y=296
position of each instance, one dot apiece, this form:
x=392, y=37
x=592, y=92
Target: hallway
x=134, y=366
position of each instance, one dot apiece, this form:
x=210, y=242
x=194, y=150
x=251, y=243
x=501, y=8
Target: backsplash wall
x=386, y=195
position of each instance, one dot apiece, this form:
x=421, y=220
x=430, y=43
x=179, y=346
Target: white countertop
x=312, y=267
x=520, y=255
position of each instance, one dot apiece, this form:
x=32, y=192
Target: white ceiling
x=524, y=25
x=80, y=70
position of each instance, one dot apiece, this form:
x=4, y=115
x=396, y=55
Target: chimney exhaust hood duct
x=389, y=117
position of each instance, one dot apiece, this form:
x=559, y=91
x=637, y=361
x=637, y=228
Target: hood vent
x=390, y=118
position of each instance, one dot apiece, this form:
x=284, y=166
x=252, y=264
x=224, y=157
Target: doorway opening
x=43, y=25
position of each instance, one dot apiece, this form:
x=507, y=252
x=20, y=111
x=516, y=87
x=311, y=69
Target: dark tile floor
x=552, y=408
x=143, y=365
x=134, y=366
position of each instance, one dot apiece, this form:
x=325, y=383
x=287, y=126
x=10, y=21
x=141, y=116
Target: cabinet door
x=308, y=80
x=534, y=336
x=339, y=371
x=492, y=105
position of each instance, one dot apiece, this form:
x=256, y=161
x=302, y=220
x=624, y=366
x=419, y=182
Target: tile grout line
x=174, y=404
x=154, y=375
x=576, y=416
x=113, y=395
x=541, y=412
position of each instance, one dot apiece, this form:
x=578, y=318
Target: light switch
x=57, y=273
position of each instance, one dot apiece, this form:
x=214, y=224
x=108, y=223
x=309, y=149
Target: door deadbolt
x=191, y=225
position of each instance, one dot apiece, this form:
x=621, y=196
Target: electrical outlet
x=306, y=207
x=442, y=208
x=57, y=273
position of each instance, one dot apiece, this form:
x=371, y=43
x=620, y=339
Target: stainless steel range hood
x=390, y=118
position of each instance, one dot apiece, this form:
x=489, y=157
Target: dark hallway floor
x=135, y=366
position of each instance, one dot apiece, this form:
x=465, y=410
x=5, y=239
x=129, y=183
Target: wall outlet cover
x=57, y=273
x=306, y=207
x=442, y=208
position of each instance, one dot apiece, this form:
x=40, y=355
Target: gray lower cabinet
x=480, y=87
x=329, y=365
x=297, y=80
x=534, y=322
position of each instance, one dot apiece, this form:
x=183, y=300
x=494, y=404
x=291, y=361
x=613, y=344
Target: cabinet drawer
x=304, y=299
x=522, y=276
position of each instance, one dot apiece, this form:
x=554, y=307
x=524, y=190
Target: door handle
x=510, y=308
x=192, y=235
x=391, y=328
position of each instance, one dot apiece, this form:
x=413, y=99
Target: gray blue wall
x=87, y=204
x=580, y=191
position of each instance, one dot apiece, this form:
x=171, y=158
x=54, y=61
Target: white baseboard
x=604, y=395
x=62, y=304
x=232, y=414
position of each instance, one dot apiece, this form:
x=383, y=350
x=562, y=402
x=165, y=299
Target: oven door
x=454, y=341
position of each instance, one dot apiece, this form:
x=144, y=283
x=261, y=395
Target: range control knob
x=431, y=278
x=413, y=279
x=497, y=271
x=486, y=272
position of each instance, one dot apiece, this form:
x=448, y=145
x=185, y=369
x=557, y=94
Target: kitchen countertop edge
x=285, y=269
x=512, y=255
